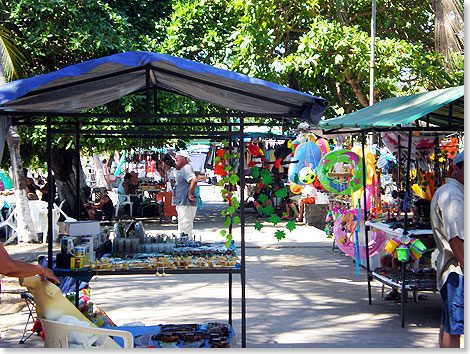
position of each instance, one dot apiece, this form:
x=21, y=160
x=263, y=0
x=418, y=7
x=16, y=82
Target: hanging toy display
x=341, y=172
x=344, y=229
x=324, y=146
x=402, y=248
x=307, y=154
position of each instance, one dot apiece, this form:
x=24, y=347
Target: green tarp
x=432, y=106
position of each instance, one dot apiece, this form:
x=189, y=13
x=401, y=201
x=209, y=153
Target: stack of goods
x=146, y=261
x=211, y=335
x=418, y=278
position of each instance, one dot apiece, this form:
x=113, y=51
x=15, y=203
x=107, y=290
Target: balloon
x=324, y=146
x=343, y=159
x=370, y=162
x=307, y=154
x=307, y=175
x=295, y=188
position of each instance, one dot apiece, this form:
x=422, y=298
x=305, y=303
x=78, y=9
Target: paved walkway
x=299, y=294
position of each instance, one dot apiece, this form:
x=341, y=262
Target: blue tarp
x=96, y=82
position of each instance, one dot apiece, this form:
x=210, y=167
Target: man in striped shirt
x=447, y=218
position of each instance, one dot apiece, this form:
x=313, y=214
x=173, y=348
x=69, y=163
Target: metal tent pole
x=242, y=228
x=50, y=193
x=366, y=228
x=407, y=198
x=77, y=167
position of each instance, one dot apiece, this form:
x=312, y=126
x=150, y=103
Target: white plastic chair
x=39, y=212
x=11, y=223
x=56, y=334
x=122, y=203
x=59, y=209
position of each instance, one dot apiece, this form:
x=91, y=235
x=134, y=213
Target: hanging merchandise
x=280, y=154
x=340, y=171
x=421, y=147
x=219, y=168
x=295, y=188
x=324, y=146
x=5, y=179
x=344, y=229
x=307, y=154
x=403, y=247
x=210, y=158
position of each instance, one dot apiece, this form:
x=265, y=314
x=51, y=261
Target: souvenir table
x=191, y=257
x=211, y=335
x=420, y=279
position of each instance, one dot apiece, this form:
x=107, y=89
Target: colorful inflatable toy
x=341, y=172
x=343, y=232
x=324, y=146
x=307, y=175
x=307, y=154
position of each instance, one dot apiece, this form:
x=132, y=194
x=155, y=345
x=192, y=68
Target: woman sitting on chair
x=127, y=187
x=103, y=210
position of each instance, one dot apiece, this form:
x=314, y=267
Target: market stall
x=413, y=127
x=90, y=84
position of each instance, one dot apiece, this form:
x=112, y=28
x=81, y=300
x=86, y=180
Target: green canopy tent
x=436, y=112
x=439, y=110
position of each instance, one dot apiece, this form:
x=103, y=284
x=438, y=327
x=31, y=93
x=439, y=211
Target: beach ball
x=307, y=175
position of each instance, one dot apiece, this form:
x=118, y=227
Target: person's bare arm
x=192, y=188
x=458, y=248
x=14, y=268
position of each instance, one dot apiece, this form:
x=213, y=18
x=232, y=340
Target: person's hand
x=191, y=197
x=48, y=274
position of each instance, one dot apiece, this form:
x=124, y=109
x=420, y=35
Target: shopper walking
x=184, y=193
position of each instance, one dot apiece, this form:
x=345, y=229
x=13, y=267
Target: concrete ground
x=299, y=293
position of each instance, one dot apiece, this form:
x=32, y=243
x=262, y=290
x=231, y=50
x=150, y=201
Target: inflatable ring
x=295, y=188
x=346, y=242
x=334, y=184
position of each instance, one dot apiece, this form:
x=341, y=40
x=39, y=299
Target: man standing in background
x=447, y=218
x=184, y=193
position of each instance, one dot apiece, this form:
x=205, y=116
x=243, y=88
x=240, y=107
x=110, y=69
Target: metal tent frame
x=20, y=116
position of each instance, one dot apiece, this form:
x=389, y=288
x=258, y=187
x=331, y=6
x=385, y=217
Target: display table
x=398, y=231
x=211, y=335
x=415, y=280
x=191, y=257
x=418, y=280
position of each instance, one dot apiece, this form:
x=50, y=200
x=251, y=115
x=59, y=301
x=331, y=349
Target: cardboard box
x=76, y=262
x=79, y=228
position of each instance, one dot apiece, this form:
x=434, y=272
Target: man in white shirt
x=447, y=218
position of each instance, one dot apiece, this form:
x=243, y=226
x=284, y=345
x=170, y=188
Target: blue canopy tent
x=96, y=82
x=69, y=91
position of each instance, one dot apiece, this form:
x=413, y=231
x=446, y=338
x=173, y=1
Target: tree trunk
x=357, y=89
x=63, y=166
x=26, y=231
x=99, y=173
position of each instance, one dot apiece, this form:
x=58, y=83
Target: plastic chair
x=11, y=223
x=120, y=203
x=56, y=334
x=59, y=210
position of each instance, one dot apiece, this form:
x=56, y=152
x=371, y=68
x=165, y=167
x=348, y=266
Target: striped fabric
x=447, y=217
